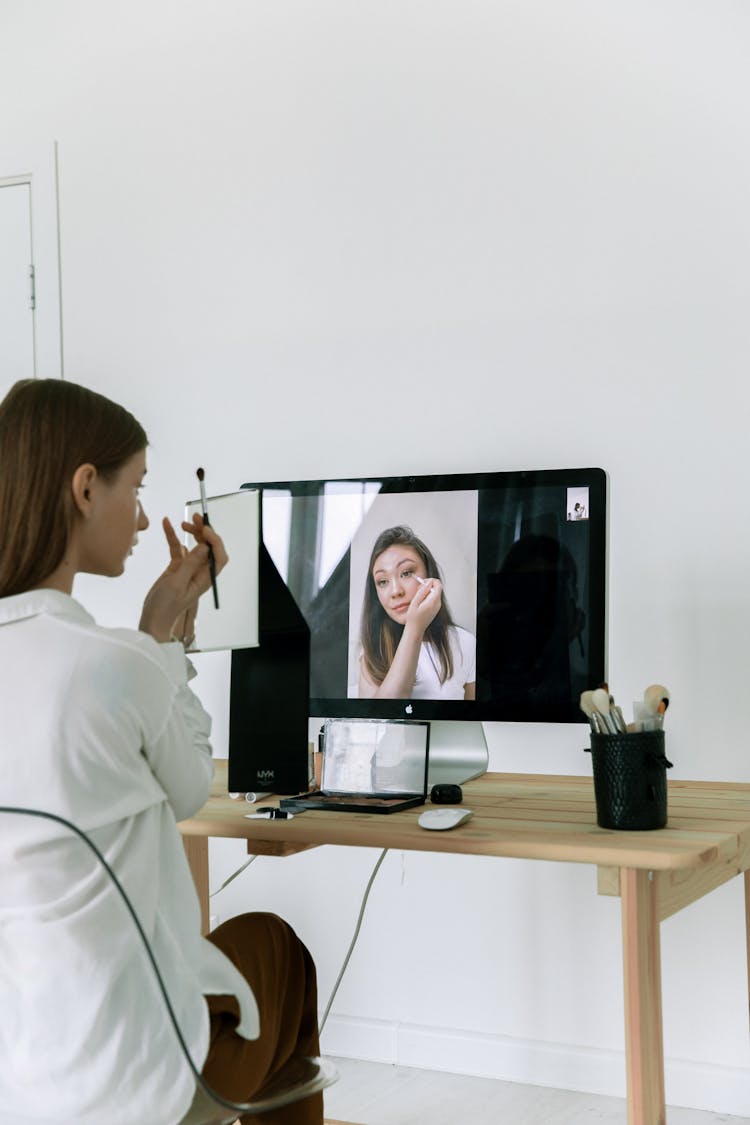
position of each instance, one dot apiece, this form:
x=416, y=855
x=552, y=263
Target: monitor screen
x=464, y=596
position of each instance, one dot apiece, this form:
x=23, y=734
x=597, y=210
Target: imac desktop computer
x=458, y=599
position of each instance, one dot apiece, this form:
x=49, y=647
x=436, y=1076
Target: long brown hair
x=48, y=427
x=379, y=634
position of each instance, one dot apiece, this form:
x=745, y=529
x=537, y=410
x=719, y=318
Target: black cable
x=239, y=1107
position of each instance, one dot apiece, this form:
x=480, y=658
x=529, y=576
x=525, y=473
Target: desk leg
x=196, y=849
x=747, y=932
x=644, y=1049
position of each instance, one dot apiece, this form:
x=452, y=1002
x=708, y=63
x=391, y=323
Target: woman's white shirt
x=100, y=727
x=463, y=648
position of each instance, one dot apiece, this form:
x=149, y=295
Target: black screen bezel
x=595, y=480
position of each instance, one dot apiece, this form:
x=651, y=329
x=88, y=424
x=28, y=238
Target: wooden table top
x=526, y=816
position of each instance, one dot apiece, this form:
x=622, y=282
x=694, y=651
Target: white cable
x=354, y=939
x=233, y=875
x=357, y=928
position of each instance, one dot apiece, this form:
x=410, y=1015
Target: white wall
x=309, y=239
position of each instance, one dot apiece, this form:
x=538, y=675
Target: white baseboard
x=718, y=1089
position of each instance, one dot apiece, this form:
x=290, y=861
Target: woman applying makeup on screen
x=411, y=647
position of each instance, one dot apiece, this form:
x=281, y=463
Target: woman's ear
x=84, y=479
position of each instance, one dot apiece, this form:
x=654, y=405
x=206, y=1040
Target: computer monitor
x=515, y=562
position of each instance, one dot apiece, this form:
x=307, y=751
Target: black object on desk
x=352, y=802
x=268, y=741
x=446, y=794
x=630, y=780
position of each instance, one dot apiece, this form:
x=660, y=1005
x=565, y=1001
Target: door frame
x=37, y=165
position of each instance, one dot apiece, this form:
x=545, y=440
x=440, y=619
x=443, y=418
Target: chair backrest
x=206, y=1111
x=300, y=1078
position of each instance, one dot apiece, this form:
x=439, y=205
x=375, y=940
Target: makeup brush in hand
x=211, y=560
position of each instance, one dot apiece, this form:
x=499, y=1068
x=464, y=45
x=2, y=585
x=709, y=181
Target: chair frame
x=208, y=1107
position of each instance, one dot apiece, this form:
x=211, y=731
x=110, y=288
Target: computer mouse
x=443, y=818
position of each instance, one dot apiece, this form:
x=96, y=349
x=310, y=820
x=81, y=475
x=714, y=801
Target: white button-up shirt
x=99, y=726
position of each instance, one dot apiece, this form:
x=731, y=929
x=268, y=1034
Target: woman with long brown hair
x=99, y=727
x=411, y=647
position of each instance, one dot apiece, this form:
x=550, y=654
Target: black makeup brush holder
x=630, y=780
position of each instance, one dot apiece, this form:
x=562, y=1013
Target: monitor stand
x=458, y=752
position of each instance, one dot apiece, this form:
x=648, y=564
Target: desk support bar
x=644, y=1040
x=747, y=933
x=196, y=849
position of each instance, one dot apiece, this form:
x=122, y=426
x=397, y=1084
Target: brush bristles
x=587, y=703
x=600, y=699
x=656, y=698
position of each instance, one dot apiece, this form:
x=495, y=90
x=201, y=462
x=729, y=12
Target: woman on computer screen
x=411, y=647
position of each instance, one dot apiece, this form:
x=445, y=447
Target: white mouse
x=443, y=818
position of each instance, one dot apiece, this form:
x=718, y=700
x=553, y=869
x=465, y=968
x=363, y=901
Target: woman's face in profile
x=110, y=533
x=395, y=572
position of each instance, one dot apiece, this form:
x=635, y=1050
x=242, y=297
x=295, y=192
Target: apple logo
x=409, y=709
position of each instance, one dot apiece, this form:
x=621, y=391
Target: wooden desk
x=528, y=816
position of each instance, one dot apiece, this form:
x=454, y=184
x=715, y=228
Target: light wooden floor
x=379, y=1094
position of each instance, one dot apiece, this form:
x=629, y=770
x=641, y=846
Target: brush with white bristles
x=600, y=699
x=656, y=698
x=587, y=706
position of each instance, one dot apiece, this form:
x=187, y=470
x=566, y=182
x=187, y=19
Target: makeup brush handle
x=212, y=572
x=211, y=561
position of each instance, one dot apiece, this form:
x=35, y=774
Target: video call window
x=506, y=570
